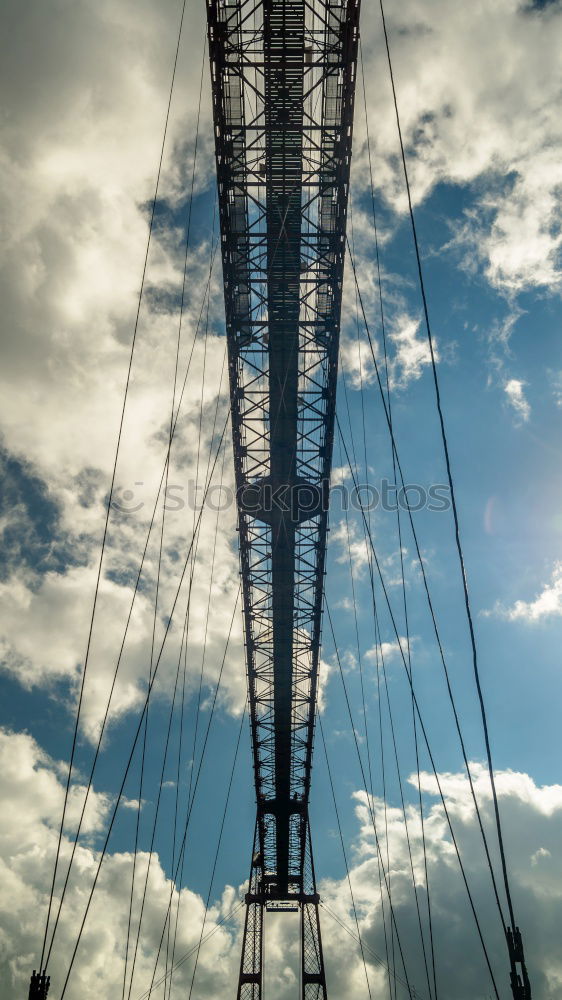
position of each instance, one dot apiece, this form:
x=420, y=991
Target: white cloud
x=390, y=650
x=411, y=353
x=547, y=604
x=44, y=617
x=524, y=243
x=345, y=604
x=407, y=346
x=340, y=474
x=32, y=789
x=478, y=90
x=354, y=549
x=542, y=852
x=80, y=153
x=515, y=391
x=532, y=817
x=32, y=796
x=356, y=359
x=478, y=87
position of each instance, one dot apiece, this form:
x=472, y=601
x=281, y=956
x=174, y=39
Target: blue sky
x=479, y=94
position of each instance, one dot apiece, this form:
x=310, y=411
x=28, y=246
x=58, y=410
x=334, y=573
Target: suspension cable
x=201, y=401
x=110, y=497
x=119, y=657
x=390, y=956
x=185, y=958
x=179, y=864
x=366, y=468
x=194, y=553
x=159, y=795
x=157, y=809
x=398, y=517
x=137, y=733
x=422, y=725
x=369, y=801
x=217, y=851
x=429, y=603
x=515, y=948
x=401, y=789
x=180, y=743
x=384, y=786
x=344, y=853
x=378, y=645
x=187, y=623
x=380, y=961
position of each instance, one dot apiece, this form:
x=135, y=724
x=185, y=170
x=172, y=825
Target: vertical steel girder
x=313, y=976
x=39, y=985
x=283, y=40
x=258, y=902
x=250, y=981
x=283, y=81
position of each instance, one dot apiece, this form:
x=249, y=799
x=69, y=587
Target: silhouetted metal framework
x=312, y=960
x=39, y=985
x=283, y=80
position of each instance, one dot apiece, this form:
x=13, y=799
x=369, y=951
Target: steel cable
x=185, y=958
x=458, y=544
x=137, y=733
x=201, y=760
x=110, y=498
x=369, y=800
x=344, y=853
x=398, y=518
x=424, y=731
x=219, y=842
x=119, y=658
x=431, y=608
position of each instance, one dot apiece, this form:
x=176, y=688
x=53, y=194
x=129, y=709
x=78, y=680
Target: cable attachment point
x=39, y=986
x=520, y=985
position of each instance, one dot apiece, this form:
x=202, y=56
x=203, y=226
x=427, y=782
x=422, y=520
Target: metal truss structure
x=312, y=974
x=283, y=81
x=39, y=985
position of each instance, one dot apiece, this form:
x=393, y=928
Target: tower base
x=259, y=901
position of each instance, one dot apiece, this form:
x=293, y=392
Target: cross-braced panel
x=250, y=982
x=313, y=977
x=283, y=74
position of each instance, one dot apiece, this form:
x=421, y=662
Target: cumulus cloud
x=547, y=604
x=32, y=793
x=341, y=474
x=532, y=815
x=80, y=151
x=79, y=155
x=390, y=650
x=32, y=788
x=80, y=146
x=412, y=352
x=407, y=346
x=353, y=548
x=514, y=389
x=46, y=612
x=356, y=360
x=478, y=90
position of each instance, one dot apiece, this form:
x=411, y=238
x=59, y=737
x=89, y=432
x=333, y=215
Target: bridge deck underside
x=283, y=78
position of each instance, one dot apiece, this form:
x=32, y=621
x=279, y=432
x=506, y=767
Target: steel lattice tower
x=283, y=81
